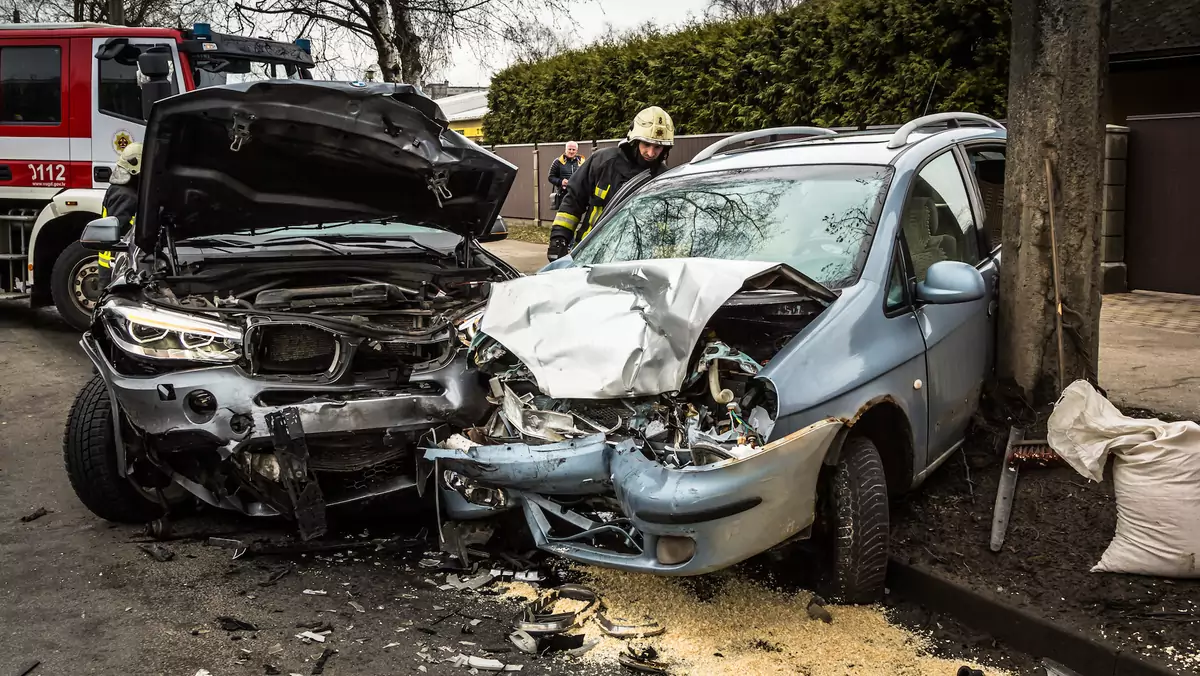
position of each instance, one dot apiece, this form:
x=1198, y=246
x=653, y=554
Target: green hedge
x=827, y=62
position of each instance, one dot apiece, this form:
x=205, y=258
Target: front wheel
x=75, y=285
x=855, y=525
x=90, y=454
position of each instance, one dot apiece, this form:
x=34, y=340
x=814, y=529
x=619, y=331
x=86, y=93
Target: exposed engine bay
x=257, y=390
x=579, y=466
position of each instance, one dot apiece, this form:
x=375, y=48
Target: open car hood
x=291, y=152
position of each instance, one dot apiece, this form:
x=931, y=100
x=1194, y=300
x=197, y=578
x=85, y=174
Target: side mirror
x=156, y=67
x=102, y=234
x=950, y=282
x=499, y=231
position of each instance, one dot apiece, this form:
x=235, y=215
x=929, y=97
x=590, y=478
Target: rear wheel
x=854, y=525
x=75, y=285
x=90, y=454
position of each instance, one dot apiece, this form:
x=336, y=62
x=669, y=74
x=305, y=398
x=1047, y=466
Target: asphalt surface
x=78, y=595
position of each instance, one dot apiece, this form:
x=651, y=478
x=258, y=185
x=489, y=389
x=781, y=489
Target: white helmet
x=129, y=164
x=653, y=126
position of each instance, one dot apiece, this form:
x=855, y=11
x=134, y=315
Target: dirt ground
x=78, y=595
x=1060, y=526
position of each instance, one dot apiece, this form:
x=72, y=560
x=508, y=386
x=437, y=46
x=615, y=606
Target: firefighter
x=645, y=148
x=121, y=200
x=561, y=170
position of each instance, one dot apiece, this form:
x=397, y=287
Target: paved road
x=1149, y=348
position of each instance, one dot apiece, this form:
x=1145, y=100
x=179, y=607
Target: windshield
x=818, y=219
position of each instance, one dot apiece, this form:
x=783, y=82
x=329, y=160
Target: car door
x=985, y=163
x=117, y=105
x=939, y=224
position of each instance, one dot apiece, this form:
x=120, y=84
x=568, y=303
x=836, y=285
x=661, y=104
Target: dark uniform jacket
x=563, y=167
x=119, y=201
x=591, y=186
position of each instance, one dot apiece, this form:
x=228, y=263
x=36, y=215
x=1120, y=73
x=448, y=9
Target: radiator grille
x=296, y=349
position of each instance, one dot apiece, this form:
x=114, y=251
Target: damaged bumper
x=672, y=521
x=358, y=439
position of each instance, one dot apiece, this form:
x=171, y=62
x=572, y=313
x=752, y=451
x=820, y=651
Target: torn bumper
x=162, y=408
x=731, y=510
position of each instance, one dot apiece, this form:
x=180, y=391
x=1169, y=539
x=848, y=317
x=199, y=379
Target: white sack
x=1156, y=473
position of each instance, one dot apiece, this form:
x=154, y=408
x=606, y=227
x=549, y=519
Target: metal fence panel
x=1162, y=228
x=519, y=203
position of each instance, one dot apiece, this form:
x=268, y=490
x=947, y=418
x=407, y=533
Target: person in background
x=561, y=170
x=121, y=200
x=645, y=148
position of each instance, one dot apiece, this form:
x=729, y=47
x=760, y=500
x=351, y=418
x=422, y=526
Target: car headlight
x=162, y=334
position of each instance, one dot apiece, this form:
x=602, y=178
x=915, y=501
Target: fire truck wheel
x=75, y=285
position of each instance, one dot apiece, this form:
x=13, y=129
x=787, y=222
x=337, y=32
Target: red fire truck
x=70, y=101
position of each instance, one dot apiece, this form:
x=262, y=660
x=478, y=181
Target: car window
x=30, y=85
x=896, y=298
x=119, y=93
x=987, y=164
x=818, y=219
x=937, y=223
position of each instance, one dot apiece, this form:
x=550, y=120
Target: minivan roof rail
x=951, y=120
x=760, y=133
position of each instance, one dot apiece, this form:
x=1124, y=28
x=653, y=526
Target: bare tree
x=740, y=9
x=137, y=12
x=411, y=37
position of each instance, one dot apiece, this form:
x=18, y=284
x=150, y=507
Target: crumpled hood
x=289, y=152
x=619, y=330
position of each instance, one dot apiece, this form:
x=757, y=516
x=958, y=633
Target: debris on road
x=203, y=672
x=157, y=552
x=315, y=592
x=643, y=661
x=316, y=625
x=28, y=669
x=276, y=576
x=357, y=606
x=538, y=617
x=312, y=636
x=817, y=611
x=524, y=642
x=34, y=516
x=625, y=629
x=271, y=670
x=483, y=663
x=319, y=667
x=472, y=583
x=234, y=624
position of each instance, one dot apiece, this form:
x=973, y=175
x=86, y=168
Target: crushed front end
x=611, y=460
x=290, y=399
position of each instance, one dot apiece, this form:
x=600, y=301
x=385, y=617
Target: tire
x=856, y=525
x=62, y=285
x=90, y=455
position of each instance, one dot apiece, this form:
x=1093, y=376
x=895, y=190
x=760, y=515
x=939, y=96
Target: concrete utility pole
x=1056, y=113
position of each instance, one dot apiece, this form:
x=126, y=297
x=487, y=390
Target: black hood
x=292, y=152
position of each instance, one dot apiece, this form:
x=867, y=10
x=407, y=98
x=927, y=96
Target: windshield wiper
x=307, y=240
x=389, y=243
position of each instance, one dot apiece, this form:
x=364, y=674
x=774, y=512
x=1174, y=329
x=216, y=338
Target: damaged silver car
x=292, y=310
x=754, y=349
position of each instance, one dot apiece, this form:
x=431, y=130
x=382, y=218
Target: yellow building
x=465, y=113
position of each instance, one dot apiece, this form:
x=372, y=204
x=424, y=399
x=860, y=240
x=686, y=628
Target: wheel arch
x=885, y=423
x=60, y=223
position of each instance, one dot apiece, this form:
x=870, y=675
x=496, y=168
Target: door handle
x=101, y=174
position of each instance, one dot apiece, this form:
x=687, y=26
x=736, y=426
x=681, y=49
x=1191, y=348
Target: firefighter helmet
x=653, y=125
x=129, y=164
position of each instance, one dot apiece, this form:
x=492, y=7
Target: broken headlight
x=473, y=492
x=468, y=327
x=161, y=334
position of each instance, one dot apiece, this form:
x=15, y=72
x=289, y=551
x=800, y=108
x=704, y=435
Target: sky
x=590, y=18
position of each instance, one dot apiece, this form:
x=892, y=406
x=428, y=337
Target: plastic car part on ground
x=1156, y=476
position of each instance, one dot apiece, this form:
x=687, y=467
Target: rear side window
x=119, y=93
x=30, y=85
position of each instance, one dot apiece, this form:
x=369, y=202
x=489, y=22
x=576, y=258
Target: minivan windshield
x=817, y=219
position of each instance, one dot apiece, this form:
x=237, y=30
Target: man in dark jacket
x=561, y=170
x=121, y=200
x=649, y=141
